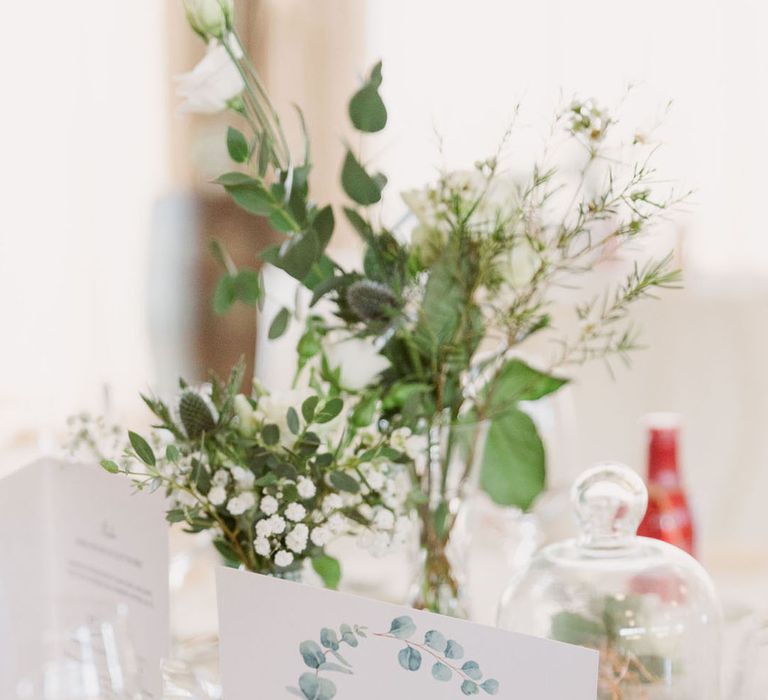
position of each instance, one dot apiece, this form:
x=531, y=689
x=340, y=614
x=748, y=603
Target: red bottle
x=668, y=517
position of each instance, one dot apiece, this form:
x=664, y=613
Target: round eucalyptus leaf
x=402, y=627
x=329, y=639
x=441, y=672
x=472, y=669
x=348, y=636
x=491, y=686
x=311, y=653
x=470, y=688
x=410, y=659
x=454, y=650
x=436, y=640
x=315, y=688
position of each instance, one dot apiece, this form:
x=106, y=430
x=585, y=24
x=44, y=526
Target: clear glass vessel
x=648, y=607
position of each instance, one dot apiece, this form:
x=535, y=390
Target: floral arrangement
x=443, y=654
x=442, y=307
x=272, y=483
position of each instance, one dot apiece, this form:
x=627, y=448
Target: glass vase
x=448, y=472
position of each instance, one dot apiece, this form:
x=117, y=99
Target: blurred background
x=105, y=276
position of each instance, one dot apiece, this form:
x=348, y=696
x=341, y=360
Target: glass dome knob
x=610, y=501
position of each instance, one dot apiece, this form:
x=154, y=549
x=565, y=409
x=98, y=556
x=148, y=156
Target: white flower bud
x=210, y=18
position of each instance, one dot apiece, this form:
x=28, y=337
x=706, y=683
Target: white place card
x=284, y=640
x=83, y=584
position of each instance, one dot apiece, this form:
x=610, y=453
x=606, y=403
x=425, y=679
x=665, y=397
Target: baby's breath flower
x=244, y=477
x=221, y=477
x=384, y=519
x=264, y=528
x=320, y=536
x=332, y=502
x=296, y=539
x=240, y=504
x=283, y=558
x=217, y=495
x=268, y=505
x=186, y=499
x=295, y=512
x=277, y=524
x=306, y=487
x=261, y=545
x=337, y=522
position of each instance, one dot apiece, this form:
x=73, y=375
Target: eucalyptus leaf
x=271, y=434
x=329, y=639
x=470, y=688
x=316, y=688
x=410, y=658
x=357, y=183
x=436, y=640
x=311, y=653
x=292, y=420
x=472, y=669
x=441, y=672
x=344, y=482
x=366, y=108
x=491, y=686
x=308, y=408
x=454, y=650
x=329, y=411
x=402, y=627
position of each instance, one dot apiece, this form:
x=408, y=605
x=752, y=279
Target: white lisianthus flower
x=306, y=487
x=261, y=546
x=220, y=478
x=283, y=558
x=212, y=84
x=268, y=505
x=358, y=361
x=210, y=18
x=276, y=524
x=320, y=536
x=217, y=495
x=295, y=512
x=296, y=540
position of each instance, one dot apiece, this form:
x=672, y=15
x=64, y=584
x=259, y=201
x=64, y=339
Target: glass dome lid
x=648, y=607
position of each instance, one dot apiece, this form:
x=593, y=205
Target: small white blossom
x=375, y=480
x=283, y=558
x=384, y=519
x=306, y=487
x=186, y=499
x=297, y=538
x=320, y=536
x=243, y=477
x=264, y=528
x=239, y=504
x=399, y=439
x=221, y=478
x=261, y=545
x=246, y=419
x=295, y=512
x=277, y=524
x=332, y=502
x=268, y=505
x=217, y=495
x=337, y=522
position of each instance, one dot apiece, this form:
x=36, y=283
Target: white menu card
x=83, y=584
x=281, y=639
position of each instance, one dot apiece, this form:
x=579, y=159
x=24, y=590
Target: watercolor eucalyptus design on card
x=444, y=656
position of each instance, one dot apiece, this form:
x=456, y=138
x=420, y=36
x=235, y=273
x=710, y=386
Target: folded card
x=83, y=584
x=281, y=639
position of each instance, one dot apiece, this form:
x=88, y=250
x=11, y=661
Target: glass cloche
x=647, y=607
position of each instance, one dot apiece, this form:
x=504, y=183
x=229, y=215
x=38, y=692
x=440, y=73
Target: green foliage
x=409, y=658
x=402, y=627
x=243, y=285
x=279, y=324
x=359, y=186
x=143, y=451
x=366, y=109
x=328, y=569
x=513, y=468
x=195, y=414
x=237, y=146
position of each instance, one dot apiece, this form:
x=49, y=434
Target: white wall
x=83, y=143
